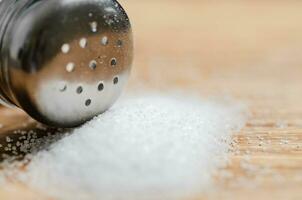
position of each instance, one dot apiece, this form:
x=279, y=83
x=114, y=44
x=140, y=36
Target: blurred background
x=184, y=42
x=250, y=50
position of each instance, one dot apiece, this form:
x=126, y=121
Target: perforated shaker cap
x=67, y=60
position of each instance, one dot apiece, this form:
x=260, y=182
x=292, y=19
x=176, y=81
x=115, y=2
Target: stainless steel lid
x=65, y=61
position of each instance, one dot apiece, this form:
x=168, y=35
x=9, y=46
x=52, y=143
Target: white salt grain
x=150, y=147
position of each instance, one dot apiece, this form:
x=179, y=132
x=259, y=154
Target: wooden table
x=250, y=50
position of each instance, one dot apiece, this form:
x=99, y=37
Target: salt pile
x=147, y=147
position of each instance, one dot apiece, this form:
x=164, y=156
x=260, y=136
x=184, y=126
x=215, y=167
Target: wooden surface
x=250, y=50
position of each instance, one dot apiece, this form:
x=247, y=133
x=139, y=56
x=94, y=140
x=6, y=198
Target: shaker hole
x=70, y=67
x=63, y=88
x=113, y=62
x=115, y=80
x=104, y=40
x=101, y=86
x=92, y=64
x=65, y=48
x=83, y=43
x=79, y=89
x=88, y=102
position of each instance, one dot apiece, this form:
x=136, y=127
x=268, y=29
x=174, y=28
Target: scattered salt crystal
x=8, y=139
x=151, y=147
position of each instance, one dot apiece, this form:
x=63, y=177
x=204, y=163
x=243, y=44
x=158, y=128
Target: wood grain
x=250, y=50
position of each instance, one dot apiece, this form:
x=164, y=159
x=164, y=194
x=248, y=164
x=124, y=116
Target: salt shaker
x=63, y=61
